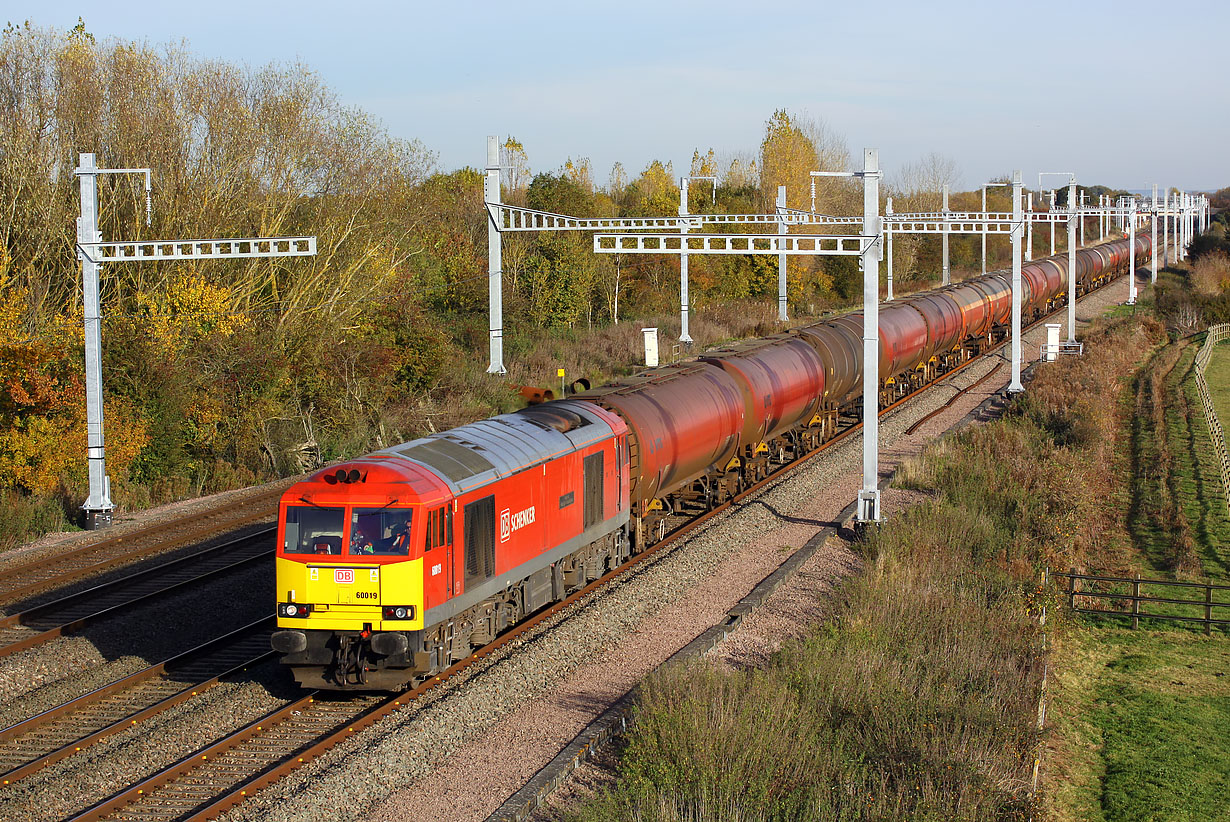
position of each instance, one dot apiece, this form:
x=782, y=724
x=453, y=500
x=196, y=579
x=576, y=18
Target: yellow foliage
x=188, y=309
x=39, y=453
x=787, y=157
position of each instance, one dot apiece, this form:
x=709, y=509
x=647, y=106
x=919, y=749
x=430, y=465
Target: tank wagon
x=392, y=566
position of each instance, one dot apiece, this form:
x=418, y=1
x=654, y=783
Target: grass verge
x=1141, y=721
x=918, y=700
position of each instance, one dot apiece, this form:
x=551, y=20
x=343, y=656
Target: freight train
x=394, y=565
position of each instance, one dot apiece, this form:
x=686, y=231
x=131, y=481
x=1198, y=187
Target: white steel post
x=1102, y=217
x=1178, y=227
x=684, y=336
x=1153, y=242
x=1081, y=223
x=947, y=272
x=1071, y=260
x=1181, y=227
x=1029, y=229
x=1186, y=225
x=984, y=230
x=869, y=496
x=1131, y=251
x=1052, y=222
x=1166, y=230
x=495, y=256
x=1015, y=386
x=97, y=507
x=781, y=258
x=888, y=241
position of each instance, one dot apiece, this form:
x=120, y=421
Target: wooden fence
x=1123, y=596
x=1217, y=333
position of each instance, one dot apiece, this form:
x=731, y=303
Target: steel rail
x=49, y=574
x=917, y=424
x=207, y=802
x=48, y=626
x=33, y=743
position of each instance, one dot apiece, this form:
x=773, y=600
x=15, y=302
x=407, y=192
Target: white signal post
x=1072, y=211
x=1071, y=221
x=1166, y=230
x=1014, y=385
x=1130, y=212
x=869, y=496
x=1029, y=229
x=93, y=252
x=1153, y=244
x=781, y=258
x=946, y=272
x=495, y=260
x=984, y=232
x=684, y=336
x=888, y=243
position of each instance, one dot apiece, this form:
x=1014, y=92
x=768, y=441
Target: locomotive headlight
x=399, y=612
x=292, y=610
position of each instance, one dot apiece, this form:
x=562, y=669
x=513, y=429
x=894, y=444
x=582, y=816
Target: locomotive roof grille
x=452, y=460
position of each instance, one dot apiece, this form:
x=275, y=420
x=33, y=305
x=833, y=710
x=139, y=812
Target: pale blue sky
x=1115, y=91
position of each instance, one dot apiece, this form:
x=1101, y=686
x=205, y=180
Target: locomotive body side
x=395, y=565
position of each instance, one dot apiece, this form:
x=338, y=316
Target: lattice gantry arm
x=131, y=252
x=795, y=244
x=508, y=218
x=930, y=224
x=515, y=218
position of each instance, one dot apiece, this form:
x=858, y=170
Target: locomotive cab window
x=439, y=528
x=380, y=531
x=313, y=530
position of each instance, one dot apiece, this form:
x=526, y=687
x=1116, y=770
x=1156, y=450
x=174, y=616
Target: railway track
x=18, y=581
x=918, y=424
x=67, y=614
x=41, y=740
x=217, y=777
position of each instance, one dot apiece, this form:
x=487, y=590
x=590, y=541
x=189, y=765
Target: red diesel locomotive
x=394, y=565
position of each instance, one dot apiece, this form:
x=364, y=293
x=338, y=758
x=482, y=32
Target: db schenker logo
x=510, y=522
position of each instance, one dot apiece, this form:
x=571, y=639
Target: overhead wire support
x=853, y=245
x=153, y=250
x=510, y=218
x=92, y=253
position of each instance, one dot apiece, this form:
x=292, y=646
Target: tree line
x=220, y=373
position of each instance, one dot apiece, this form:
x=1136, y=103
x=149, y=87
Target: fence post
x=1072, y=586
x=1136, y=603
x=1208, y=608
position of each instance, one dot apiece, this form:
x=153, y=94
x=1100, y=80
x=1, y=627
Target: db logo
x=343, y=576
x=510, y=522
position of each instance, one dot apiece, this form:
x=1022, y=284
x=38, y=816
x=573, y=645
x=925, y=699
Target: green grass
x=1177, y=518
x=1198, y=486
x=1218, y=377
x=1145, y=714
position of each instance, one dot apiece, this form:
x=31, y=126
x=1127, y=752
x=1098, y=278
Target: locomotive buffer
x=93, y=252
